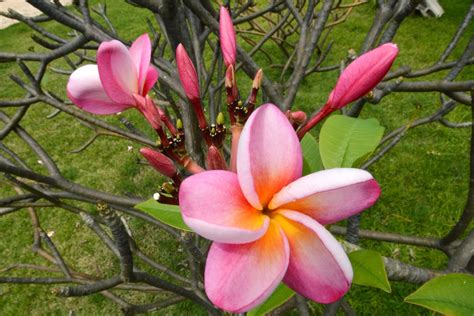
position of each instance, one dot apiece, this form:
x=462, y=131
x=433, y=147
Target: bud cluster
x=97, y=89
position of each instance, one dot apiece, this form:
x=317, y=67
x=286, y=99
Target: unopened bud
x=179, y=124
x=160, y=162
x=220, y=120
x=187, y=73
x=298, y=117
x=227, y=37
x=362, y=75
x=215, y=160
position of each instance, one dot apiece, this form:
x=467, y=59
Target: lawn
x=423, y=179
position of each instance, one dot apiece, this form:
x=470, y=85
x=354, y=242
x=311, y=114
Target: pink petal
x=227, y=37
x=187, y=73
x=150, y=80
x=362, y=75
x=269, y=155
x=140, y=51
x=319, y=268
x=240, y=277
x=213, y=205
x=85, y=90
x=330, y=195
x=117, y=72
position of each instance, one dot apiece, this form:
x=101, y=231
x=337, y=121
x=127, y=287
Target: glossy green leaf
x=369, y=269
x=166, y=213
x=311, y=158
x=281, y=294
x=451, y=294
x=344, y=140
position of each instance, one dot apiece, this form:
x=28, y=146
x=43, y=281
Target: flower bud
x=358, y=79
x=187, y=73
x=297, y=118
x=215, y=160
x=160, y=162
x=189, y=80
x=227, y=37
x=362, y=75
x=220, y=119
x=179, y=124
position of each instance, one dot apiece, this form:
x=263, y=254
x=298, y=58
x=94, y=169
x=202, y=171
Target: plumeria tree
x=248, y=192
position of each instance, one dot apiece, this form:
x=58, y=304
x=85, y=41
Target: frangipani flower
x=266, y=220
x=121, y=74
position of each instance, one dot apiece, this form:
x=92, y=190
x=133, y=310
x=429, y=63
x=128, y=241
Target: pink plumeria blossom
x=111, y=86
x=266, y=220
x=227, y=37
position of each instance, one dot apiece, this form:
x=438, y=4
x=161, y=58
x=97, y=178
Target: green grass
x=423, y=179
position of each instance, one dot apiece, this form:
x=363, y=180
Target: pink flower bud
x=187, y=74
x=297, y=117
x=160, y=162
x=189, y=80
x=227, y=37
x=362, y=75
x=215, y=160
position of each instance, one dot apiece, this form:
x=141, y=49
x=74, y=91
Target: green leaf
x=369, y=269
x=345, y=140
x=311, y=158
x=281, y=294
x=451, y=294
x=166, y=213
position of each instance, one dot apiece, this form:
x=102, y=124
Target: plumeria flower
x=266, y=220
x=120, y=80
